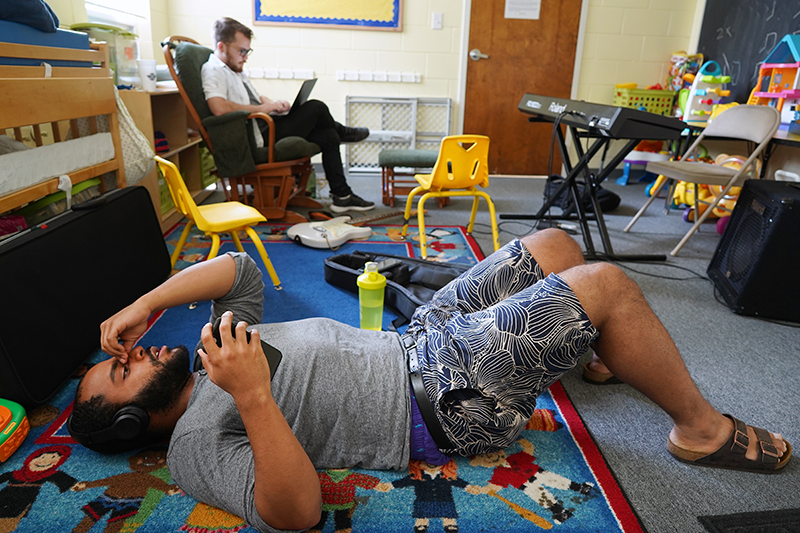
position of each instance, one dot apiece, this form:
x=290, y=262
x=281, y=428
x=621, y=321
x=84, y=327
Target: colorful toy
x=645, y=152
x=14, y=427
x=702, y=155
x=682, y=70
x=685, y=193
x=682, y=66
x=696, y=107
x=779, y=82
x=708, y=193
x=719, y=108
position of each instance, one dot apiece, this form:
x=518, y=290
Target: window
x=128, y=15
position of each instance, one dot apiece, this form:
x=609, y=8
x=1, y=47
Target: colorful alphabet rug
x=553, y=478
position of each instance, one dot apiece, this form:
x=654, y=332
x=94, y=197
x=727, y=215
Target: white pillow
x=8, y=145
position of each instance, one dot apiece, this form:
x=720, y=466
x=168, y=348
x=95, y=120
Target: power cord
x=569, y=228
x=487, y=228
x=718, y=298
x=717, y=295
x=695, y=275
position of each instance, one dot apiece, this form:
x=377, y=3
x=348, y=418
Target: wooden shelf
x=192, y=142
x=163, y=110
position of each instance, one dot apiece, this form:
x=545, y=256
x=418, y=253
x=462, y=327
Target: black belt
x=423, y=401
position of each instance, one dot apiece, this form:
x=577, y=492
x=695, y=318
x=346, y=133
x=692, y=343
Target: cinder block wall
x=433, y=54
x=632, y=41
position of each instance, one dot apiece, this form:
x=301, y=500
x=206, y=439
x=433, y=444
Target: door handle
x=476, y=54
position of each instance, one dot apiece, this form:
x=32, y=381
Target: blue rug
x=52, y=484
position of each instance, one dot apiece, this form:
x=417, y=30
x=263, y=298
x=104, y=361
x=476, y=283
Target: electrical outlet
x=303, y=74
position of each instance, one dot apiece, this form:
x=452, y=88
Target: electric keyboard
x=606, y=120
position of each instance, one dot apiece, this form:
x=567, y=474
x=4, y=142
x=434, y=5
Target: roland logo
x=533, y=104
x=557, y=108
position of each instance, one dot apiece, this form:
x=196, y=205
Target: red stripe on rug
x=623, y=512
x=468, y=238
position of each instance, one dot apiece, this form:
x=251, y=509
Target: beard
x=164, y=389
x=234, y=65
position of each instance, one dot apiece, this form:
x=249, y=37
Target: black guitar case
x=62, y=278
x=409, y=282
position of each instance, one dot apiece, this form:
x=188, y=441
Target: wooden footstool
x=394, y=183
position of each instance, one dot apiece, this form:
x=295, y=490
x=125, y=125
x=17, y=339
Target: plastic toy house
x=779, y=82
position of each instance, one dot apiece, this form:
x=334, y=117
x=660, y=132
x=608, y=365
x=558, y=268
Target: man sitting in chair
x=228, y=89
x=470, y=366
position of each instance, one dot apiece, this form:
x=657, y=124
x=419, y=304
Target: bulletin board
x=347, y=14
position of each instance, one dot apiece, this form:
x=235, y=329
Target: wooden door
x=525, y=56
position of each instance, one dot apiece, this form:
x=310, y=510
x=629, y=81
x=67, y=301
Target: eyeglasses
x=243, y=52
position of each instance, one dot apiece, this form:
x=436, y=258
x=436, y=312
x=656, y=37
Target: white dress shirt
x=220, y=81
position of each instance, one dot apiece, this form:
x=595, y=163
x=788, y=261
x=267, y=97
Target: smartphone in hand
x=273, y=355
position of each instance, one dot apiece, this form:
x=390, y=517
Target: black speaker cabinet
x=756, y=265
x=59, y=280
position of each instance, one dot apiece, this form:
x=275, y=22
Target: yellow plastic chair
x=213, y=219
x=462, y=164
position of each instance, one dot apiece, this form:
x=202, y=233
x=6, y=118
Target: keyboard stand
x=581, y=168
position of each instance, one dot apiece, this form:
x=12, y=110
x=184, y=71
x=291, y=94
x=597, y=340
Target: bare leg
x=554, y=250
x=636, y=347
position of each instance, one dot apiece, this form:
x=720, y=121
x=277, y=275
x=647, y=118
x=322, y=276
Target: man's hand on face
x=119, y=333
x=238, y=367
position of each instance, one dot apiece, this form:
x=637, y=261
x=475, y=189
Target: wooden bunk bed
x=49, y=108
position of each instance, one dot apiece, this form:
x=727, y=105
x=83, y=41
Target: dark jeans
x=313, y=122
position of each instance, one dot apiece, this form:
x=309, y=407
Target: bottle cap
x=371, y=278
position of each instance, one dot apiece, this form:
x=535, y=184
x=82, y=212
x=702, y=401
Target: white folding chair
x=754, y=123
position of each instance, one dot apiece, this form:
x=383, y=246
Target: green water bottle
x=371, y=285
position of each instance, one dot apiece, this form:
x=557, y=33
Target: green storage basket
x=651, y=100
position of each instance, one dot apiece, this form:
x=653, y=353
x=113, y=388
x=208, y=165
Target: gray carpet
x=744, y=366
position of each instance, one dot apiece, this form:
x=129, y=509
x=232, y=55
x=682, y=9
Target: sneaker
x=350, y=202
x=352, y=135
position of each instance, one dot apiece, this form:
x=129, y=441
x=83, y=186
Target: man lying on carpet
x=486, y=346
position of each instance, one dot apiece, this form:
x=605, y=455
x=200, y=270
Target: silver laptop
x=304, y=93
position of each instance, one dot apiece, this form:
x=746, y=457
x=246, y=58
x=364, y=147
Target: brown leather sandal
x=731, y=455
x=599, y=378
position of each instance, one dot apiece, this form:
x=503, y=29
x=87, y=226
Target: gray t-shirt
x=343, y=390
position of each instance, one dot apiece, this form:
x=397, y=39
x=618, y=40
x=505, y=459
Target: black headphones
x=130, y=422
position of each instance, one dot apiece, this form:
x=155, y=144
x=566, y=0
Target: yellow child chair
x=213, y=219
x=462, y=164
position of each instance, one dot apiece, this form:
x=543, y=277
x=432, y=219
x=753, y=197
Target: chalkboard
x=740, y=34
